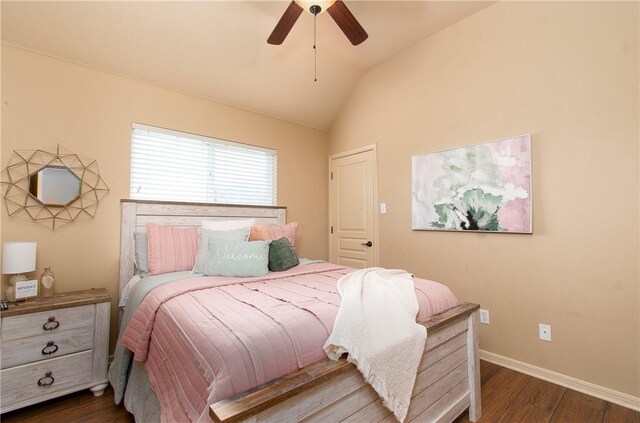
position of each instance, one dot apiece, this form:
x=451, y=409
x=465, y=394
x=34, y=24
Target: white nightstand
x=54, y=346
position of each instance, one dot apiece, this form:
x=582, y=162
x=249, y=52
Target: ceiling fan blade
x=347, y=22
x=285, y=24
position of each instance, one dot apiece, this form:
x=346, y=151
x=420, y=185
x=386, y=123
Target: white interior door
x=352, y=217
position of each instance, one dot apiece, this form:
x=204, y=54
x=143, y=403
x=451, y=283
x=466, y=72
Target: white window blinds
x=175, y=166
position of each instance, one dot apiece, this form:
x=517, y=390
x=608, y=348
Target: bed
x=314, y=388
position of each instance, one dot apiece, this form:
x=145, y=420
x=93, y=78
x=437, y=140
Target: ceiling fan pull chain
x=315, y=51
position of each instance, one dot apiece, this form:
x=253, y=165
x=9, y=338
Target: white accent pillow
x=227, y=225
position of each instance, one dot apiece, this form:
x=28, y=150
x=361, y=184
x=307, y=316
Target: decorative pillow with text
x=237, y=258
x=240, y=234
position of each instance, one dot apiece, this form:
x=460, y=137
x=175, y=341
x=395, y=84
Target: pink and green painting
x=481, y=188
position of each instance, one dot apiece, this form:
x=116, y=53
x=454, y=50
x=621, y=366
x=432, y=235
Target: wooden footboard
x=448, y=382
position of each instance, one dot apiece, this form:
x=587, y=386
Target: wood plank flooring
x=79, y=407
x=507, y=397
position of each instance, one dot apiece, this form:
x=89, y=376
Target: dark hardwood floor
x=507, y=396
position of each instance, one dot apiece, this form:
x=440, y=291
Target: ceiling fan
x=336, y=8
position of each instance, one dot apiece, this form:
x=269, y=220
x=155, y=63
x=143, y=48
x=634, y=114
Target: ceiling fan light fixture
x=338, y=11
x=311, y=5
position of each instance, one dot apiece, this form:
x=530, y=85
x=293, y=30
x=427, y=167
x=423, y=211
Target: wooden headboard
x=135, y=214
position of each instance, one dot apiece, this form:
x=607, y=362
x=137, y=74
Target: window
x=176, y=166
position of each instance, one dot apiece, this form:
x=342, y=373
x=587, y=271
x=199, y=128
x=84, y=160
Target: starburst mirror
x=52, y=189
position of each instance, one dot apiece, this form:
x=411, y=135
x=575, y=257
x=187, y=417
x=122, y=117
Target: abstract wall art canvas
x=482, y=188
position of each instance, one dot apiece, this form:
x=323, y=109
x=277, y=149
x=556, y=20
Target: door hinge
x=332, y=229
x=332, y=176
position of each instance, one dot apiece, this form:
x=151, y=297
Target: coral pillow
x=171, y=249
x=264, y=232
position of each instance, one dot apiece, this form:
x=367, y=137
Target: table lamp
x=18, y=258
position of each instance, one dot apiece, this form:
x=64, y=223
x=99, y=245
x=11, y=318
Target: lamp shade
x=18, y=257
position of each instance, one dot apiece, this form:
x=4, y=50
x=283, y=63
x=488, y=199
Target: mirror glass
x=54, y=186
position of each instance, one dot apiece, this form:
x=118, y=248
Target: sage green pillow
x=282, y=255
x=240, y=234
x=237, y=258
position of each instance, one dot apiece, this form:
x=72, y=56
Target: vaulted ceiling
x=218, y=50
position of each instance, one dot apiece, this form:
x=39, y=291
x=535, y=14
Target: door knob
x=368, y=244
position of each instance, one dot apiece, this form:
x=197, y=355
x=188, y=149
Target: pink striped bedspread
x=204, y=339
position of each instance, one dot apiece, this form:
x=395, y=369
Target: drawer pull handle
x=51, y=324
x=50, y=348
x=46, y=380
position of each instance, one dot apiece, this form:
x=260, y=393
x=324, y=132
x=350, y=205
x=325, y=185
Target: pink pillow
x=171, y=249
x=264, y=232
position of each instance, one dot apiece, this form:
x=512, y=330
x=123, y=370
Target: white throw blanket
x=376, y=325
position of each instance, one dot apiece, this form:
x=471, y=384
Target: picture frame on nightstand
x=26, y=289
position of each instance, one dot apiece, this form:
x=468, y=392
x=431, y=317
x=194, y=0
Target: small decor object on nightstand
x=26, y=289
x=17, y=258
x=46, y=282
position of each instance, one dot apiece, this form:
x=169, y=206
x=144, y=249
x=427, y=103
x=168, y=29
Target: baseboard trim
x=588, y=388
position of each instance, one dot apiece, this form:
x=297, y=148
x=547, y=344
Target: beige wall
x=47, y=101
x=568, y=74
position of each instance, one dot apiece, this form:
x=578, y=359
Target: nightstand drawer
x=76, y=358
x=61, y=320
x=28, y=350
x=22, y=382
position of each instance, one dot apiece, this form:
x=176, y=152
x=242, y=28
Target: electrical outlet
x=545, y=332
x=383, y=208
x=484, y=316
